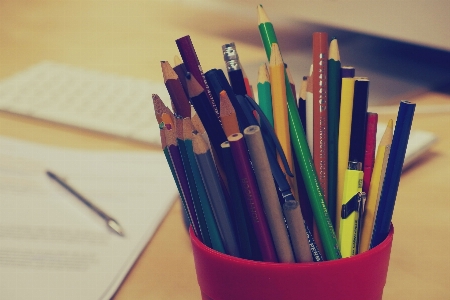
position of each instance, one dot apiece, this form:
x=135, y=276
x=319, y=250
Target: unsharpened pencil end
x=114, y=226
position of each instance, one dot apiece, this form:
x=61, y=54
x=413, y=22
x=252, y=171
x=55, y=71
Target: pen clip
x=355, y=204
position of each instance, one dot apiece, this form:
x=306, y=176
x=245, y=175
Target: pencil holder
x=224, y=277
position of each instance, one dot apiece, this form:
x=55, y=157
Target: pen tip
x=112, y=224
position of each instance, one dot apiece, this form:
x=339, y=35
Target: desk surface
x=130, y=38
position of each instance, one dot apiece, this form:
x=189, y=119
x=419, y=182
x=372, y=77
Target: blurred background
x=408, y=42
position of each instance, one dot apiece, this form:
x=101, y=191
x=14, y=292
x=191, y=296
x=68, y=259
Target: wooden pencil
x=264, y=92
x=300, y=147
x=196, y=201
x=393, y=172
x=252, y=197
x=172, y=146
x=228, y=115
x=269, y=196
x=248, y=86
x=310, y=112
x=302, y=102
x=160, y=108
x=193, y=66
x=376, y=183
x=297, y=231
x=215, y=194
x=369, y=152
x=211, y=227
x=334, y=102
x=291, y=80
x=359, y=119
x=280, y=110
x=200, y=101
x=180, y=101
x=244, y=231
x=181, y=71
x=174, y=174
x=320, y=108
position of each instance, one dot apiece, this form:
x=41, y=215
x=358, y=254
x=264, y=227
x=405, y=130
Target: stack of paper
x=51, y=245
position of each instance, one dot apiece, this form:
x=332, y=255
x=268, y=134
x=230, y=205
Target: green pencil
x=211, y=225
x=302, y=152
x=264, y=93
x=174, y=175
x=192, y=186
x=334, y=104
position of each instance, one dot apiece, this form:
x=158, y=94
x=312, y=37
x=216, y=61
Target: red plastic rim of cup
x=202, y=247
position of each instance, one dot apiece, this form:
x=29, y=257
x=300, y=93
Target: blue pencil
x=393, y=172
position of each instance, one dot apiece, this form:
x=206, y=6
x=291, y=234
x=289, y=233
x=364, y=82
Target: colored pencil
x=279, y=105
x=252, y=197
x=214, y=85
x=179, y=126
x=193, y=66
x=238, y=211
x=228, y=115
x=297, y=231
x=248, y=86
x=369, y=152
x=359, y=116
x=345, y=126
x=320, y=109
x=174, y=174
x=264, y=92
x=269, y=196
x=302, y=102
x=180, y=101
x=199, y=100
x=160, y=108
x=393, y=172
x=181, y=71
x=300, y=146
x=216, y=197
x=172, y=146
x=310, y=112
x=376, y=183
x=291, y=80
x=334, y=101
x=218, y=76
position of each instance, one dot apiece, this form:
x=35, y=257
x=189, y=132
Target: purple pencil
x=193, y=66
x=252, y=196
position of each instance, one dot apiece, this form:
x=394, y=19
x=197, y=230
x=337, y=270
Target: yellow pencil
x=376, y=183
x=345, y=126
x=348, y=231
x=279, y=104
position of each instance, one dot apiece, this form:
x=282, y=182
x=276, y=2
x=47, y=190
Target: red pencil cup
x=223, y=277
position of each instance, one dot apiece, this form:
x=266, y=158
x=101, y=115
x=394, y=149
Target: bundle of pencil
x=285, y=180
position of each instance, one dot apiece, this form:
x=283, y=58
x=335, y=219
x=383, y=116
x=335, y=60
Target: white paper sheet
x=51, y=245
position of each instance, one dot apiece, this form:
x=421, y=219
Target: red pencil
x=252, y=197
x=320, y=61
x=369, y=154
x=320, y=117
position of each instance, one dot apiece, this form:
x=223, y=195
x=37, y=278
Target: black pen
x=110, y=222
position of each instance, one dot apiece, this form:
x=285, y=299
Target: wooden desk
x=130, y=38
